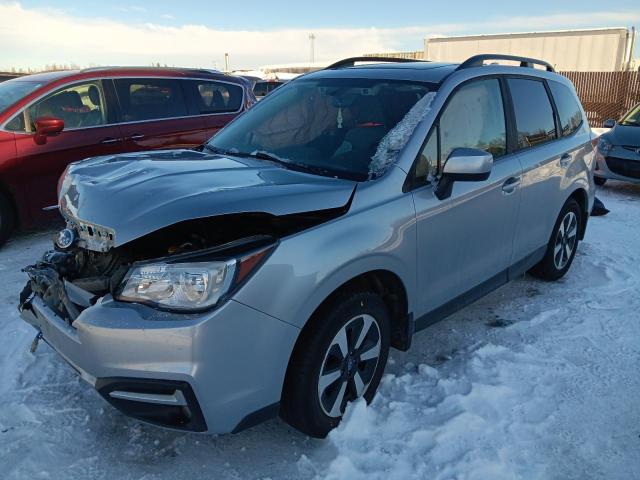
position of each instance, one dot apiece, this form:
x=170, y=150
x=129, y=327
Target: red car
x=49, y=120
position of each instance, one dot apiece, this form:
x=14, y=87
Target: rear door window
x=150, y=99
x=534, y=115
x=216, y=97
x=568, y=109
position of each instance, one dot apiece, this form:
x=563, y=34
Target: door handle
x=136, y=137
x=565, y=159
x=110, y=140
x=510, y=185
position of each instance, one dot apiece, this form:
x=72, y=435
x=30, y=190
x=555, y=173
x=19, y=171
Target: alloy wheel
x=349, y=364
x=565, y=240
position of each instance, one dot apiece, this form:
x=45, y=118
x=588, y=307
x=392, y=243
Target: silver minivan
x=269, y=271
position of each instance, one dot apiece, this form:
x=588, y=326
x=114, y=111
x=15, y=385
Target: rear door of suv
x=547, y=145
x=155, y=114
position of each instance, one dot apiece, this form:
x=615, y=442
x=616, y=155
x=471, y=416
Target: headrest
x=94, y=95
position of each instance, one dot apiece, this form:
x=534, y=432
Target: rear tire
x=562, y=245
x=7, y=218
x=340, y=356
x=599, y=180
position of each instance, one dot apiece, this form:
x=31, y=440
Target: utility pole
x=226, y=62
x=312, y=40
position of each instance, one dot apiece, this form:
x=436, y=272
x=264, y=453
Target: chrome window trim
x=86, y=80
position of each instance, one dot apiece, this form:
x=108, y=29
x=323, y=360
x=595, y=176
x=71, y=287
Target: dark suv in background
x=51, y=119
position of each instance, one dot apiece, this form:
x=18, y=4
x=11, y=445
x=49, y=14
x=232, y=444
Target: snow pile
x=398, y=136
x=424, y=426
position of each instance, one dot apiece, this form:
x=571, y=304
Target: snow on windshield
x=398, y=136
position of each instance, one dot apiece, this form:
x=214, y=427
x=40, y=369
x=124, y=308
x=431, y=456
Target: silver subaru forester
x=269, y=271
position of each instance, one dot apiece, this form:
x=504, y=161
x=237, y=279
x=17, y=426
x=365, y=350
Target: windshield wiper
x=288, y=164
x=301, y=167
x=236, y=153
x=219, y=151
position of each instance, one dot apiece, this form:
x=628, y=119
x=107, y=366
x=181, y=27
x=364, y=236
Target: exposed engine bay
x=73, y=277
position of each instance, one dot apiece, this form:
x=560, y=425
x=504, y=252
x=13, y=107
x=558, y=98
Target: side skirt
x=480, y=291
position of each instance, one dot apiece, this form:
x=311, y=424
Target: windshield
x=13, y=90
x=633, y=117
x=331, y=126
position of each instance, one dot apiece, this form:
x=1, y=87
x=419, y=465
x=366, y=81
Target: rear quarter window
x=535, y=121
x=568, y=108
x=216, y=97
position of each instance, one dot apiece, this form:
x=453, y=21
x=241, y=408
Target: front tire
x=340, y=356
x=563, y=244
x=7, y=218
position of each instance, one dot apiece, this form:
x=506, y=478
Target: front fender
x=307, y=267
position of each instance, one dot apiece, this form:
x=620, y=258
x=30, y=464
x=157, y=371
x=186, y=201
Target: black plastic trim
x=480, y=290
x=188, y=418
x=257, y=417
x=478, y=61
x=350, y=62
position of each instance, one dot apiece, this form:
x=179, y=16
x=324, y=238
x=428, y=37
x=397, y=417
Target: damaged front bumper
x=218, y=371
x=621, y=163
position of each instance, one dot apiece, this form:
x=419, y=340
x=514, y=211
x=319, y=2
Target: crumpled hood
x=136, y=194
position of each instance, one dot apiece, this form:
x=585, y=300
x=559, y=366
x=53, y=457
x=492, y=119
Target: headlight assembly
x=191, y=286
x=604, y=147
x=180, y=286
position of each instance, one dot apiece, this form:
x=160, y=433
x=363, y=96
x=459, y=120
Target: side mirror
x=610, y=123
x=464, y=165
x=46, y=126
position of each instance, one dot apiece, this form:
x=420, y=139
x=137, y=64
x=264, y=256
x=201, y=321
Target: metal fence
x=606, y=94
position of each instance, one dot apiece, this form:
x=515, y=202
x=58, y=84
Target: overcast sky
x=197, y=33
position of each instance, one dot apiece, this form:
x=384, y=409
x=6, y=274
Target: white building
x=601, y=49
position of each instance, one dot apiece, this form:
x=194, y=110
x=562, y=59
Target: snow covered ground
x=538, y=380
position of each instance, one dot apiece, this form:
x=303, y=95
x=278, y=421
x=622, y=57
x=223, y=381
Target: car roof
x=45, y=77
x=99, y=72
x=431, y=72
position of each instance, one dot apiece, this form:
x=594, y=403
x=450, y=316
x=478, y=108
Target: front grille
x=635, y=149
x=621, y=166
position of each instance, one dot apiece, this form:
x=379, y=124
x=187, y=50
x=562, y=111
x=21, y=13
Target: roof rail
x=478, y=61
x=151, y=69
x=350, y=62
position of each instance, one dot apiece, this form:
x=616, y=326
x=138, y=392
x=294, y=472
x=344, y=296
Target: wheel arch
x=580, y=195
x=393, y=293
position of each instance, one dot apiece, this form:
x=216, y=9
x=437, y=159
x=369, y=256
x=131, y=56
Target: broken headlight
x=179, y=286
